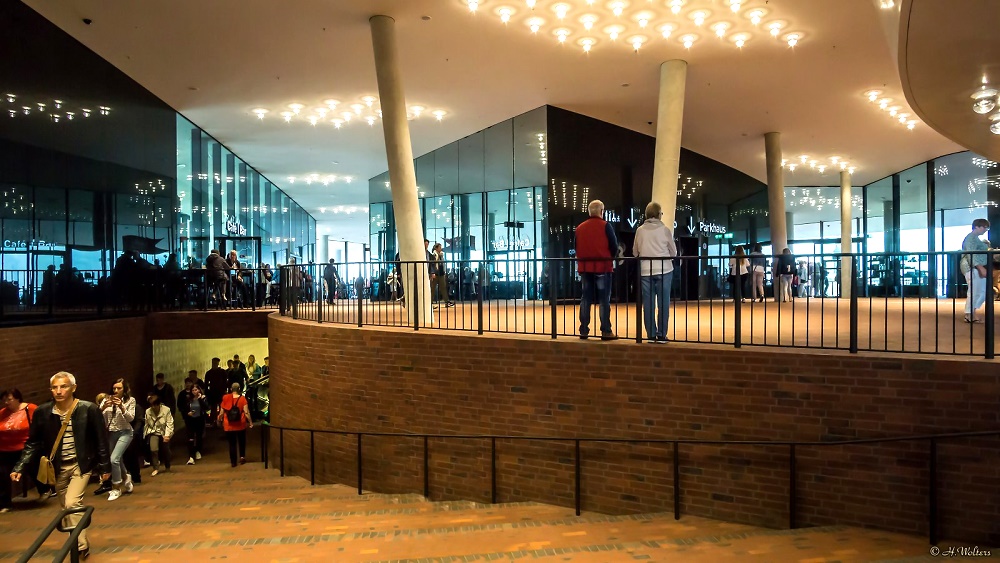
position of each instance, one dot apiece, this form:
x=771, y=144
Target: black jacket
x=89, y=433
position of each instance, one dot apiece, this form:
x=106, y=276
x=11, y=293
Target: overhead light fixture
x=617, y=7
x=793, y=39
x=887, y=4
x=504, y=13
x=535, y=24
x=473, y=5
x=358, y=108
x=873, y=95
x=588, y=21
x=734, y=5
x=666, y=30
x=995, y=123
x=531, y=4
x=296, y=108
x=756, y=15
x=587, y=43
x=260, y=112
x=561, y=10
x=287, y=115
x=774, y=28
x=337, y=122
x=720, y=29
x=636, y=41
x=369, y=100
x=740, y=39
x=884, y=103
x=676, y=5
x=688, y=40
x=699, y=16
x=439, y=114
x=417, y=110
x=614, y=31
x=642, y=18
x=985, y=100
x=561, y=34
x=331, y=103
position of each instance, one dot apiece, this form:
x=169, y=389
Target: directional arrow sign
x=692, y=229
x=632, y=222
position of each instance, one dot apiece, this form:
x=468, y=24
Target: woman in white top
x=738, y=270
x=157, y=432
x=119, y=411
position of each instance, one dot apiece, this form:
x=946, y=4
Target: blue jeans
x=118, y=442
x=656, y=292
x=601, y=285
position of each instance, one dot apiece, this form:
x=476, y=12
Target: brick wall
x=96, y=352
x=393, y=380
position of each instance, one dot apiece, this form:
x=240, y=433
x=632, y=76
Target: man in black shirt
x=217, y=382
x=165, y=392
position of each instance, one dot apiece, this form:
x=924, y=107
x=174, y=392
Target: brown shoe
x=609, y=336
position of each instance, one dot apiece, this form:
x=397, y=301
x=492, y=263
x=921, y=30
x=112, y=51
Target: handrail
x=71, y=545
x=932, y=462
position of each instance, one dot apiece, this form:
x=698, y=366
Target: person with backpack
x=235, y=418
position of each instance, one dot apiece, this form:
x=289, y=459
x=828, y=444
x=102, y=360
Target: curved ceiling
x=216, y=61
x=946, y=50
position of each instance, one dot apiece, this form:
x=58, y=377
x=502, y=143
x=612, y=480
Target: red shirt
x=14, y=427
x=227, y=403
x=595, y=239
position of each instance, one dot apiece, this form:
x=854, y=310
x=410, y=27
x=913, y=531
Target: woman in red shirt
x=235, y=417
x=15, y=420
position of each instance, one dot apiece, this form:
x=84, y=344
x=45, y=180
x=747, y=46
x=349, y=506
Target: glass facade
x=92, y=165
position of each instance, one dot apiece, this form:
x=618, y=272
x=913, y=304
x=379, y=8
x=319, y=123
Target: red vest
x=592, y=242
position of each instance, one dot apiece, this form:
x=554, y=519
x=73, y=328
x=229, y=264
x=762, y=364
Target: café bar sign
x=233, y=227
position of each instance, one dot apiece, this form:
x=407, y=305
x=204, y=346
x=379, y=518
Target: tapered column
x=402, y=176
x=775, y=197
x=669, y=122
x=846, y=220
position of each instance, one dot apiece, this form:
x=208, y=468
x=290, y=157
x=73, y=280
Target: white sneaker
x=190, y=461
x=128, y=485
x=197, y=455
x=154, y=473
x=114, y=495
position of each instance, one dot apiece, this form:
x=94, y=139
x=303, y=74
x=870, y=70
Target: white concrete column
x=669, y=123
x=846, y=220
x=402, y=176
x=775, y=198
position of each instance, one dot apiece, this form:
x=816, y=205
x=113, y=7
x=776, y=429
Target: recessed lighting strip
x=339, y=114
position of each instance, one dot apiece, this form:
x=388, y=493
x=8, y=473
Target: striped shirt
x=68, y=443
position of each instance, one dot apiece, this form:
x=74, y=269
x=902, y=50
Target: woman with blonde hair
x=737, y=270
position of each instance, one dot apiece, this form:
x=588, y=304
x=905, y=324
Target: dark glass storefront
x=93, y=165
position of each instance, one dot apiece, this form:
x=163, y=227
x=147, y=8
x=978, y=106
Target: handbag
x=46, y=471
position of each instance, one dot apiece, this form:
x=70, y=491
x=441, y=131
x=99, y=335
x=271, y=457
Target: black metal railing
x=71, y=546
x=887, y=302
x=794, y=449
x=51, y=293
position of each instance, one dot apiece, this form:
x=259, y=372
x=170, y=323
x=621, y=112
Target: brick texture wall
x=96, y=352
x=393, y=380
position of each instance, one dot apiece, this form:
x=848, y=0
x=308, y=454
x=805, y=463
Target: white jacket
x=159, y=424
x=654, y=240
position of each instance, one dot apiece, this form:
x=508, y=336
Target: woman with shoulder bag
x=15, y=420
x=235, y=418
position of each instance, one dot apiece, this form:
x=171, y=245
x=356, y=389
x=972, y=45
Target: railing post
x=479, y=301
x=312, y=457
x=320, y=299
x=853, y=344
x=360, y=306
x=792, y=494
x=638, y=303
x=415, y=299
x=990, y=329
x=360, y=467
x=493, y=470
x=281, y=449
x=427, y=473
x=553, y=297
x=677, y=481
x=577, y=476
x=932, y=526
x=738, y=312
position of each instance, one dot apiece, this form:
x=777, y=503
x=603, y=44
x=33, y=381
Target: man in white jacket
x=655, y=248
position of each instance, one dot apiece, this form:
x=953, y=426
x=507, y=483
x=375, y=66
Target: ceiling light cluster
x=814, y=197
x=985, y=100
x=898, y=111
x=57, y=110
x=637, y=23
x=887, y=4
x=334, y=112
x=819, y=164
x=688, y=186
x=346, y=209
x=325, y=179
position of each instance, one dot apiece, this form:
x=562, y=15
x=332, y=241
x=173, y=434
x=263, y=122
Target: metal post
x=553, y=293
x=427, y=474
x=990, y=329
x=577, y=443
x=854, y=306
x=792, y=495
x=677, y=482
x=360, y=474
x=320, y=299
x=360, y=306
x=638, y=305
x=312, y=457
x=415, y=299
x=932, y=493
x=479, y=302
x=738, y=314
x=493, y=470
x=281, y=449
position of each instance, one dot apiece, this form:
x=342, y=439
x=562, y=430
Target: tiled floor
x=211, y=512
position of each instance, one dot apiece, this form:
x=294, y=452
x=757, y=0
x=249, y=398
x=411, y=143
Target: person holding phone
x=119, y=412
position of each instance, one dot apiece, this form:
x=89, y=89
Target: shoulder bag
x=46, y=471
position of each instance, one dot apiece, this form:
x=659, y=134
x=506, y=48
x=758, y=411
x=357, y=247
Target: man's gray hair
x=596, y=208
x=62, y=375
x=653, y=210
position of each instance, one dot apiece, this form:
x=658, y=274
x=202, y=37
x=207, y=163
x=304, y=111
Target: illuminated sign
x=503, y=243
x=233, y=227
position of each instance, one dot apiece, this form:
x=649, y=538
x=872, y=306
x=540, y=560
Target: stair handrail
x=932, y=486
x=71, y=546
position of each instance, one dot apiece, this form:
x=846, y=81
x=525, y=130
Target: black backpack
x=235, y=413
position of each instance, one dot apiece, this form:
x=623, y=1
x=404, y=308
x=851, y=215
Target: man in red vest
x=596, y=246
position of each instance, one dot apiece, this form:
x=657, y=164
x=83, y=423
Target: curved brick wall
x=394, y=380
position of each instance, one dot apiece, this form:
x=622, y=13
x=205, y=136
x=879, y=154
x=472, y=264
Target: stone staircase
x=211, y=512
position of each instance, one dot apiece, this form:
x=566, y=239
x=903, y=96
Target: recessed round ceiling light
x=995, y=126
